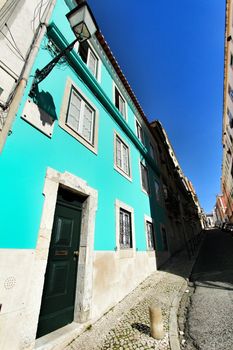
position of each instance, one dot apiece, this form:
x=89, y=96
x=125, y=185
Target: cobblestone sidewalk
x=126, y=326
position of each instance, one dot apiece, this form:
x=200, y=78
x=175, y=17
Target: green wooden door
x=57, y=307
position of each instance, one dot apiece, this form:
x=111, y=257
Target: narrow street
x=209, y=324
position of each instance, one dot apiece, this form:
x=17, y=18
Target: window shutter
x=125, y=158
x=92, y=63
x=122, y=106
x=87, y=124
x=73, y=116
x=118, y=152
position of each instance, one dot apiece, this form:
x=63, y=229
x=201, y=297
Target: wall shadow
x=44, y=100
x=213, y=268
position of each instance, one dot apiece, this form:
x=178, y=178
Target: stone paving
x=209, y=323
x=126, y=326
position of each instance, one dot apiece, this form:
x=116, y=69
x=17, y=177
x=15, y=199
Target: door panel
x=57, y=306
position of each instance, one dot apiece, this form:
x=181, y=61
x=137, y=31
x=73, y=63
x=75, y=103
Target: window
x=89, y=57
x=139, y=132
x=144, y=178
x=152, y=151
x=150, y=235
x=230, y=116
x=122, y=156
x=231, y=61
x=157, y=191
x=230, y=92
x=80, y=116
x=120, y=103
x=164, y=237
x=165, y=191
x=125, y=236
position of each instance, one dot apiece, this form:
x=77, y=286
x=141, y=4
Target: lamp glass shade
x=82, y=22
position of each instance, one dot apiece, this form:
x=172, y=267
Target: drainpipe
x=19, y=91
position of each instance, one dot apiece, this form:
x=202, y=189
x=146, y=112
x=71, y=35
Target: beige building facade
x=227, y=127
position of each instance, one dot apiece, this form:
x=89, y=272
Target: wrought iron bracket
x=41, y=74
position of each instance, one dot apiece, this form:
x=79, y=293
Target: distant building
x=210, y=220
x=220, y=209
x=182, y=206
x=227, y=127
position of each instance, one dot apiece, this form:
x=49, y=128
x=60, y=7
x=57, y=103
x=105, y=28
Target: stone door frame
x=83, y=294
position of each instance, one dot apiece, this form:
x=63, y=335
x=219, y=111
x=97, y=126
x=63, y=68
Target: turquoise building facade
x=108, y=158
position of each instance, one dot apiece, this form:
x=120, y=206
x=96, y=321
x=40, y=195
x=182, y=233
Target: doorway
x=57, y=306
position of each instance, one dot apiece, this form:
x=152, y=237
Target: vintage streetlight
x=83, y=25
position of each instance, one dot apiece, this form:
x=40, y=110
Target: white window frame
x=142, y=136
x=125, y=252
x=116, y=167
x=63, y=116
x=148, y=219
x=140, y=171
x=114, y=99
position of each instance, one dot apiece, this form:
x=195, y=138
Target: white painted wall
x=19, y=20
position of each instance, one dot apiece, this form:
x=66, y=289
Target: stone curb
x=173, y=327
x=172, y=323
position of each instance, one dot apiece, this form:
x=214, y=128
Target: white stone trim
x=63, y=114
x=83, y=297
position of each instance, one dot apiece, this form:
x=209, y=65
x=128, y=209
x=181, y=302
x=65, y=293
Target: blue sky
x=172, y=54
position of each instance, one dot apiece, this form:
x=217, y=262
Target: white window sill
x=122, y=173
x=125, y=253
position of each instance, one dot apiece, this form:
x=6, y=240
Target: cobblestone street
x=127, y=325
x=209, y=319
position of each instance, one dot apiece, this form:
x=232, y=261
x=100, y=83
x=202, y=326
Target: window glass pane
x=73, y=116
x=116, y=98
x=83, y=50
